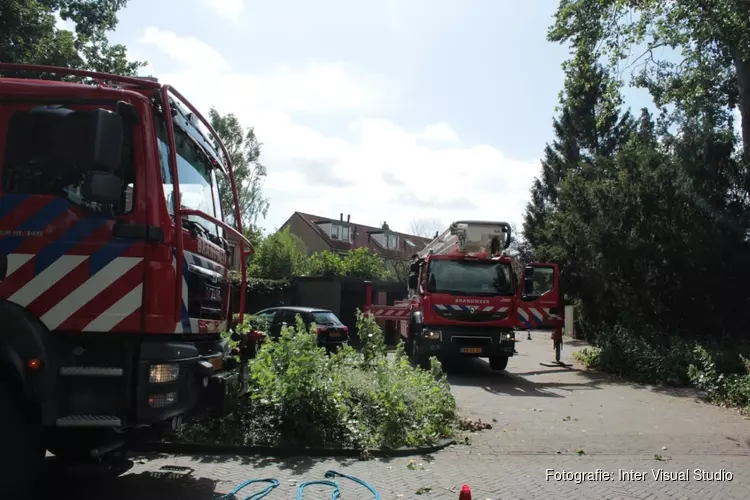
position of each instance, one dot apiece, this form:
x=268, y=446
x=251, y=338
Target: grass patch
x=300, y=396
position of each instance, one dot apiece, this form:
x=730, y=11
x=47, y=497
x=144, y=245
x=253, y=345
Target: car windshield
x=325, y=318
x=466, y=277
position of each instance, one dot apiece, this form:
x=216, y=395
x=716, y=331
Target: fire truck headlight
x=161, y=374
x=432, y=334
x=510, y=336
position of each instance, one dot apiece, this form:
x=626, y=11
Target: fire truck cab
x=114, y=267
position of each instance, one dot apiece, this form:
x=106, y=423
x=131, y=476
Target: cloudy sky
x=388, y=110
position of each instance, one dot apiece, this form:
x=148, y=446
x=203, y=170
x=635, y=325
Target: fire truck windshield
x=195, y=179
x=467, y=277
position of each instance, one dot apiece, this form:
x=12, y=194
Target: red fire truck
x=114, y=257
x=464, y=298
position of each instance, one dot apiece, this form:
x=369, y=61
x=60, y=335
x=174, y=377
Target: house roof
x=362, y=238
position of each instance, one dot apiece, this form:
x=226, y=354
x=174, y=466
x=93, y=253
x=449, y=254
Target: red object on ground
x=465, y=493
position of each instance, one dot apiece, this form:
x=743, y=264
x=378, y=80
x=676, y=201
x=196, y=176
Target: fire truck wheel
x=74, y=446
x=499, y=362
x=21, y=452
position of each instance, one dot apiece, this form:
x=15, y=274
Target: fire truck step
x=89, y=421
x=91, y=371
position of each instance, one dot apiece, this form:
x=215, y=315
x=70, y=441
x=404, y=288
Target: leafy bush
x=325, y=263
x=640, y=358
x=280, y=256
x=301, y=396
x=722, y=374
x=729, y=389
x=251, y=322
x=260, y=285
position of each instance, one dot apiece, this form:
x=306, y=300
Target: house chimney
x=342, y=217
x=385, y=227
x=348, y=216
x=437, y=233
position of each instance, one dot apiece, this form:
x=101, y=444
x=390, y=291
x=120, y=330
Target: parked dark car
x=331, y=331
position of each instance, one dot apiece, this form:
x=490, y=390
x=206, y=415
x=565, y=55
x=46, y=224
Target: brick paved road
x=543, y=417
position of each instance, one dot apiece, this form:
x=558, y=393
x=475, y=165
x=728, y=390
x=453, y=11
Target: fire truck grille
x=476, y=316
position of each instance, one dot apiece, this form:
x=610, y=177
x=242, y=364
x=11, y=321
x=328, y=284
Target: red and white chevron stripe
x=389, y=312
x=66, y=297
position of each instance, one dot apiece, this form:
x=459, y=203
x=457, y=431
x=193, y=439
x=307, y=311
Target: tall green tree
x=590, y=127
x=705, y=73
x=244, y=150
x=28, y=34
x=279, y=256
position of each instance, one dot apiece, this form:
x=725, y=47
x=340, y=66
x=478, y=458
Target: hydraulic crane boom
x=471, y=237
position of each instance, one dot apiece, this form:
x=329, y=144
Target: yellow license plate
x=334, y=334
x=471, y=350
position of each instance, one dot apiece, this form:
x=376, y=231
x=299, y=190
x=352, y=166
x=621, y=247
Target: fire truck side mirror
x=92, y=140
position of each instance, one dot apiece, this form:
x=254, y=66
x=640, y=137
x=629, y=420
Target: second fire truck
x=465, y=299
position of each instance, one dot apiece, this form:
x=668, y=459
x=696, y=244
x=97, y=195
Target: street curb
x=286, y=451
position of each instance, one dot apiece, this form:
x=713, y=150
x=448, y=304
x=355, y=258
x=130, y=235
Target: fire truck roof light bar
x=165, y=90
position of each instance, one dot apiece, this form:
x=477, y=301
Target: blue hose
x=332, y=473
x=274, y=483
x=334, y=495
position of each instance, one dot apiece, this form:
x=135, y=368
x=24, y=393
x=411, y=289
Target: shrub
x=721, y=373
x=301, y=396
x=641, y=358
x=731, y=389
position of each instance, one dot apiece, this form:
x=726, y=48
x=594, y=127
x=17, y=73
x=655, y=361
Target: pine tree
x=589, y=125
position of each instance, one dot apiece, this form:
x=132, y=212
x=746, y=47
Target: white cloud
x=375, y=169
x=228, y=9
x=193, y=54
x=439, y=132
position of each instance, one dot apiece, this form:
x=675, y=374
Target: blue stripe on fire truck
x=10, y=202
x=524, y=319
x=72, y=237
x=37, y=222
x=107, y=254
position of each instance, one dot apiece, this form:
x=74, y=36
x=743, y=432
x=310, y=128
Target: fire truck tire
x=21, y=452
x=499, y=362
x=68, y=452
x=74, y=446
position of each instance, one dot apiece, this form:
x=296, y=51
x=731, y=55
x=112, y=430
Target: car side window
x=289, y=317
x=265, y=320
